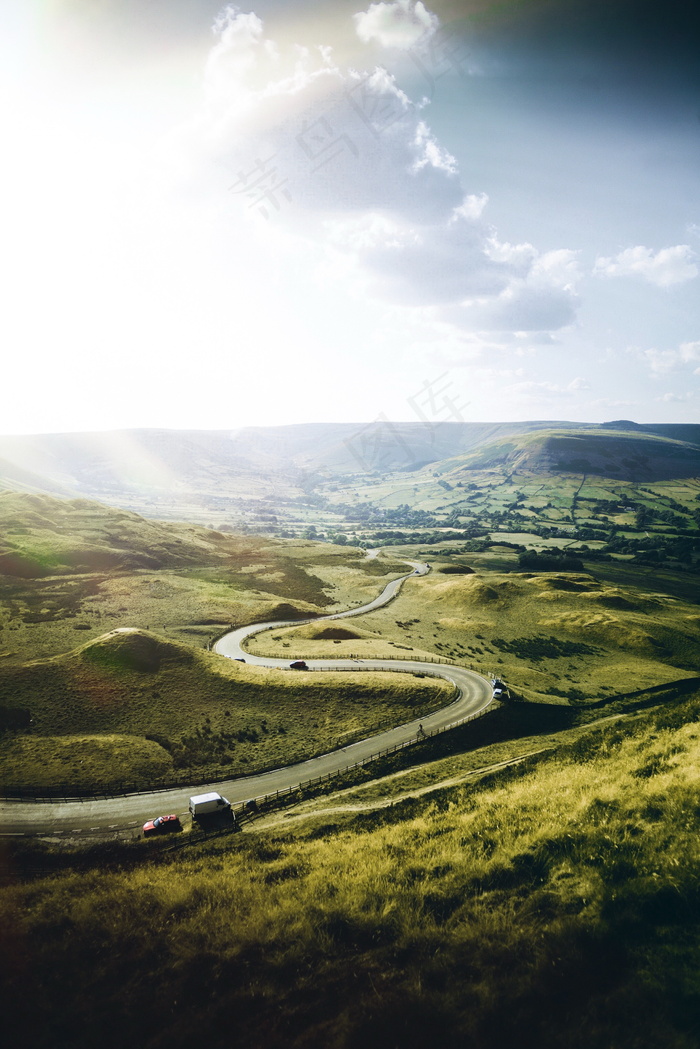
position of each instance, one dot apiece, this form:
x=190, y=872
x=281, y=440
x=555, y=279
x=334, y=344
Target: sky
x=218, y=216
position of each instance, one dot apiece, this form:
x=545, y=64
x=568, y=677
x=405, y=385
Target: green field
x=610, y=495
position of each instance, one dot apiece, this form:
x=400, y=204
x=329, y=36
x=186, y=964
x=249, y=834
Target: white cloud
x=668, y=266
x=675, y=398
x=662, y=361
x=559, y=267
x=430, y=153
x=527, y=304
x=242, y=55
x=435, y=264
x=534, y=338
x=689, y=351
x=400, y=24
x=346, y=161
x=473, y=206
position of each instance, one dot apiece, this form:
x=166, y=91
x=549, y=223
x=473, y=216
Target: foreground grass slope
x=555, y=905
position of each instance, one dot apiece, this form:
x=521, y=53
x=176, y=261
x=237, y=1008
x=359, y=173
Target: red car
x=162, y=825
x=298, y=664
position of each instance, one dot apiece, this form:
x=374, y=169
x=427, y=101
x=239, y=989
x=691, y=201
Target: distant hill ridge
x=614, y=453
x=285, y=461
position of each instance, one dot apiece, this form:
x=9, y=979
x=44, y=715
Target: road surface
x=113, y=816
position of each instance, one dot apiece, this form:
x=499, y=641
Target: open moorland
x=73, y=569
x=554, y=637
x=105, y=679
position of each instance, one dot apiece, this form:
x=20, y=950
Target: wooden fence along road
x=113, y=815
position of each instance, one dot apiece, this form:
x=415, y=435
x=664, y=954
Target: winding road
x=100, y=817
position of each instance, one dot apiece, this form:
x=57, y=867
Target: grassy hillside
x=43, y=536
x=223, y=468
x=278, y=478
x=144, y=598
x=623, y=455
x=70, y=566
x=183, y=712
x=554, y=637
x=562, y=638
x=552, y=904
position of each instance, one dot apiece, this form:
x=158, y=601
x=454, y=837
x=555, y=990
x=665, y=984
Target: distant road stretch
x=115, y=815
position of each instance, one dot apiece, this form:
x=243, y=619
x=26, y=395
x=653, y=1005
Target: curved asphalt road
x=115, y=815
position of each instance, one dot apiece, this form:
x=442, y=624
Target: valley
x=545, y=852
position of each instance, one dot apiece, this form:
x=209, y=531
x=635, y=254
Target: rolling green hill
x=631, y=456
x=134, y=704
x=131, y=708
x=550, y=903
x=555, y=637
x=240, y=474
x=42, y=536
x=68, y=565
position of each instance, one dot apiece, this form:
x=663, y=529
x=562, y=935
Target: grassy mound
x=214, y=716
x=566, y=582
x=285, y=610
x=606, y=629
x=335, y=633
x=472, y=591
x=451, y=568
x=127, y=648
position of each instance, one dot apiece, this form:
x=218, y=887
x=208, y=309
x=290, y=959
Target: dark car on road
x=162, y=825
x=298, y=664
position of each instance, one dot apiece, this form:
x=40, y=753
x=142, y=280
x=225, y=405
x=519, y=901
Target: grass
x=104, y=618
x=554, y=637
x=544, y=509
x=213, y=717
x=546, y=906
x=108, y=761
x=203, y=715
x=75, y=569
x=552, y=903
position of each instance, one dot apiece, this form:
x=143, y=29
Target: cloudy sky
x=299, y=212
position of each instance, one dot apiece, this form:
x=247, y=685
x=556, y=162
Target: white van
x=205, y=804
